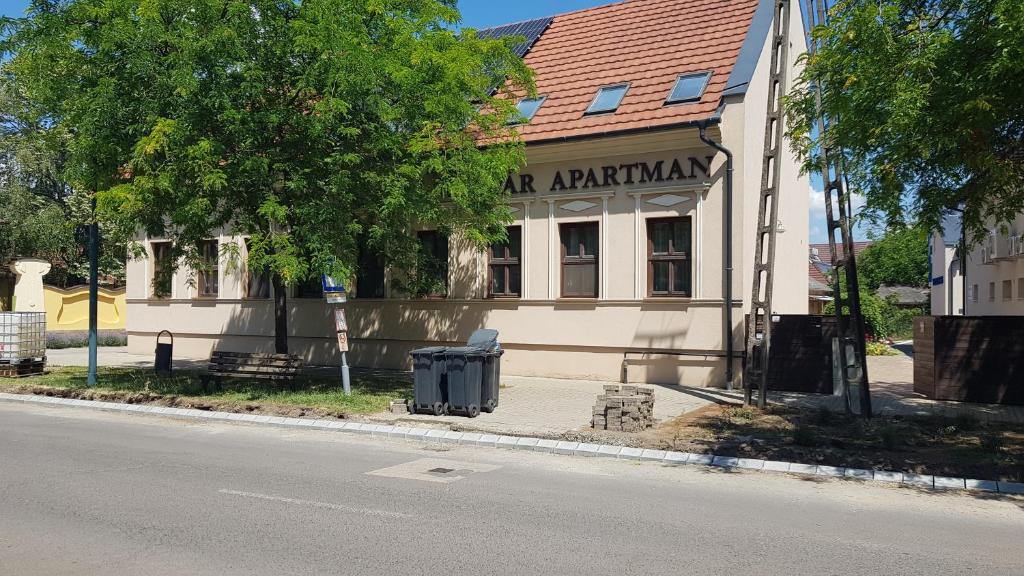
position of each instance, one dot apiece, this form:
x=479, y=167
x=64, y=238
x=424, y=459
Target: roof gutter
x=729, y=346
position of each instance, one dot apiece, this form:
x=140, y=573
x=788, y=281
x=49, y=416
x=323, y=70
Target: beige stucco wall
x=544, y=334
x=983, y=275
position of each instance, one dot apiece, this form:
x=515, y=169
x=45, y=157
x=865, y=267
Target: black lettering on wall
x=629, y=171
x=510, y=185
x=610, y=176
x=574, y=177
x=558, y=183
x=649, y=174
x=694, y=163
x=526, y=184
x=591, y=180
x=676, y=171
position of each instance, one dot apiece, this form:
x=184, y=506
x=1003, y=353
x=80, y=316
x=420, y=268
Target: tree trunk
x=280, y=317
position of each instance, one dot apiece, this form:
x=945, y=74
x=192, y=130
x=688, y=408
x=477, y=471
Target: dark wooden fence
x=970, y=359
x=801, y=352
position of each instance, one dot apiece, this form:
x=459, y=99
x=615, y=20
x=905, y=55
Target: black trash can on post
x=430, y=385
x=164, y=353
x=465, y=368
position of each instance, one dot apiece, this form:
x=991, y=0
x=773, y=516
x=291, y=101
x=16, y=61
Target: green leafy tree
x=42, y=216
x=898, y=258
x=313, y=127
x=926, y=104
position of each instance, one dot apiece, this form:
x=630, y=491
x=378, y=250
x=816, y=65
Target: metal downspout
x=729, y=345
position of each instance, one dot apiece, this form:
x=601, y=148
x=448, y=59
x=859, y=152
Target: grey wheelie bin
x=465, y=368
x=487, y=340
x=430, y=384
x=491, y=380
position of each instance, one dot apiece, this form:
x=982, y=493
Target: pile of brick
x=624, y=408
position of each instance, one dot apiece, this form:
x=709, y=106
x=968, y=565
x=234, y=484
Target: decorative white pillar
x=604, y=249
x=552, y=256
x=28, y=287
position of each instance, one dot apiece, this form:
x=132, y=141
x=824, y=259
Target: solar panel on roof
x=531, y=30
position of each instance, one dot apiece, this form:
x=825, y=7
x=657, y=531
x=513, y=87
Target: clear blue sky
x=475, y=13
x=484, y=13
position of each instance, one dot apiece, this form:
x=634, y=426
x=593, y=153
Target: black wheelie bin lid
x=429, y=350
x=484, y=338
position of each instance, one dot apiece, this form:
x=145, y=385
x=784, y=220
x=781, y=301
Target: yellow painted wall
x=69, y=309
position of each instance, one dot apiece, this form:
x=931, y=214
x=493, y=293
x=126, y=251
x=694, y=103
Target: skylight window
x=608, y=99
x=527, y=108
x=689, y=88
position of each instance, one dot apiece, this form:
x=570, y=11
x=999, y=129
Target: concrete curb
x=542, y=445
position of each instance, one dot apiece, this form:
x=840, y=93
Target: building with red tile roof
x=643, y=166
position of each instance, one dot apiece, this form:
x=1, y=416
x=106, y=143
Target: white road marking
x=325, y=505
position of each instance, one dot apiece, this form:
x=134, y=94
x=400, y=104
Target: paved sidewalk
x=554, y=406
x=115, y=356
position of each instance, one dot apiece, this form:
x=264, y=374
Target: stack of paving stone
x=624, y=408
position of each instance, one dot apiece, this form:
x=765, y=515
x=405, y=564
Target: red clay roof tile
x=647, y=43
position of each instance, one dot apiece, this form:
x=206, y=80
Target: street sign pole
x=94, y=246
x=334, y=293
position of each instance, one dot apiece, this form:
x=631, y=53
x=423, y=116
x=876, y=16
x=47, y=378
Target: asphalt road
x=86, y=492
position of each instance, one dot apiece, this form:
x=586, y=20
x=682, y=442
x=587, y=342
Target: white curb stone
x=859, y=474
x=984, y=485
x=776, y=466
x=417, y=433
x=585, y=449
x=546, y=445
x=676, y=458
x=750, y=463
x=488, y=440
x=435, y=435
x=830, y=471
x=725, y=461
x=400, y=432
x=527, y=443
x=919, y=480
x=796, y=468
x=566, y=447
x=506, y=442
x=452, y=437
x=470, y=438
x=888, y=476
x=702, y=459
x=946, y=483
x=656, y=455
x=1011, y=488
x=630, y=453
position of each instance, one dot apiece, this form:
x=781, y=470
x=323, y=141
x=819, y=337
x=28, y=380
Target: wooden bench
x=283, y=367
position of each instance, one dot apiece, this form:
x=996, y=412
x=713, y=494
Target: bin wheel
x=447, y=409
x=473, y=411
x=489, y=407
x=439, y=409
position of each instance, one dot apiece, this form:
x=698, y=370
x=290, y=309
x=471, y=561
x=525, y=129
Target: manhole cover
x=434, y=470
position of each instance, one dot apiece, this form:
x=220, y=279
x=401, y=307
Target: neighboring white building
x=617, y=244
x=995, y=272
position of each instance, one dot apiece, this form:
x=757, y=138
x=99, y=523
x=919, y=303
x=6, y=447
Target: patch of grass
x=804, y=436
x=309, y=392
x=890, y=437
x=874, y=348
x=992, y=442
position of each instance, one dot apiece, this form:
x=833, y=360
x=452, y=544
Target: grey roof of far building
x=905, y=295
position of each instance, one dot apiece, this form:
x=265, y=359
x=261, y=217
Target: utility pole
x=94, y=249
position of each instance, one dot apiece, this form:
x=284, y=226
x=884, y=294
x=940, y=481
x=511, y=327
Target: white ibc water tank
x=22, y=336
